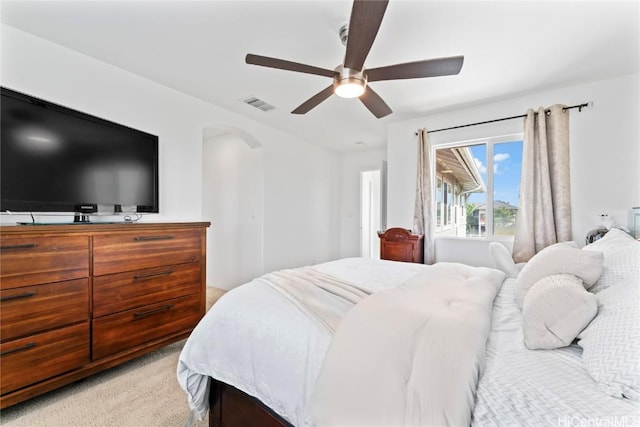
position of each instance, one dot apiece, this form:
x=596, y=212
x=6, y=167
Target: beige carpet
x=139, y=393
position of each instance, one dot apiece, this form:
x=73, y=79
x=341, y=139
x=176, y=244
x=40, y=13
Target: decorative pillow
x=555, y=311
x=621, y=258
x=503, y=260
x=557, y=259
x=611, y=343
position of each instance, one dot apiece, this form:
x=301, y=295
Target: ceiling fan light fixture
x=349, y=89
x=349, y=83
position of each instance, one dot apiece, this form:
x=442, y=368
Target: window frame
x=489, y=217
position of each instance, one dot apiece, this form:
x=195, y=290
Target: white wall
x=300, y=179
x=232, y=198
x=604, y=144
x=352, y=164
x=301, y=193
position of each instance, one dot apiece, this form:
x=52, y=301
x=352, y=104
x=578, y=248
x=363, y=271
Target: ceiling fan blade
x=366, y=17
x=375, y=103
x=312, y=102
x=266, y=61
x=418, y=69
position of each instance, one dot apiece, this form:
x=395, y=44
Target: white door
x=370, y=213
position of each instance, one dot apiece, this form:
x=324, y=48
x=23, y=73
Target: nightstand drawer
x=28, y=310
x=121, y=331
x=28, y=360
x=398, y=251
x=33, y=260
x=117, y=253
x=119, y=292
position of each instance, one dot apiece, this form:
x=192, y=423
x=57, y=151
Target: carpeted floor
x=139, y=393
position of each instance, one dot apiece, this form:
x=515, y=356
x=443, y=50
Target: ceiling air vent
x=258, y=103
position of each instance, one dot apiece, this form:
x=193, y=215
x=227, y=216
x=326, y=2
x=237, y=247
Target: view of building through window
x=477, y=188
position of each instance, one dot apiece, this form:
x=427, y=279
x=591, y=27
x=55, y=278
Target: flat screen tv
x=58, y=160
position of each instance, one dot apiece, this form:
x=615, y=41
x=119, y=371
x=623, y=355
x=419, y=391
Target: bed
x=558, y=344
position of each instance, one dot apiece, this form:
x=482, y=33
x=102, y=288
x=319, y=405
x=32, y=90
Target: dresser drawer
x=28, y=360
x=116, y=253
x=29, y=261
x=28, y=310
x=124, y=291
x=118, y=332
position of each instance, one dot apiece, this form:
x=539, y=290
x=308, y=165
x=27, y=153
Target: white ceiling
x=510, y=47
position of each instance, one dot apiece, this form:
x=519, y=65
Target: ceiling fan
x=351, y=79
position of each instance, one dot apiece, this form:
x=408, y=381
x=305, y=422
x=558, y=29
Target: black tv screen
x=55, y=159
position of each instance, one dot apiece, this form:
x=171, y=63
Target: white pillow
x=557, y=259
x=611, y=343
x=555, y=311
x=503, y=260
x=621, y=258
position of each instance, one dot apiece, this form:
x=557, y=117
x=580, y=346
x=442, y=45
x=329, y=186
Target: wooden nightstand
x=399, y=244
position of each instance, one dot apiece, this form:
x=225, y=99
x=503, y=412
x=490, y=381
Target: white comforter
x=411, y=355
x=258, y=341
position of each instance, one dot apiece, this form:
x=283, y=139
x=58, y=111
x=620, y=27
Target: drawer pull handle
x=148, y=276
x=24, y=246
x=149, y=238
x=17, y=349
x=17, y=296
x=150, y=312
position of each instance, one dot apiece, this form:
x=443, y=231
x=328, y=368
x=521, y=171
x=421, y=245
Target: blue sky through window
x=507, y=161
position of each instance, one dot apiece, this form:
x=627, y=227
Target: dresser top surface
x=93, y=228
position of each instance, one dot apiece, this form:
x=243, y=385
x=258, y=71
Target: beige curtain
x=423, y=211
x=544, y=214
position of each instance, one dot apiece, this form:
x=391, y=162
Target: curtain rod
x=579, y=107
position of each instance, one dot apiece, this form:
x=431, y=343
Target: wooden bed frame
x=230, y=407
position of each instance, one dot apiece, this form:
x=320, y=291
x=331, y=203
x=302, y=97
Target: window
x=477, y=187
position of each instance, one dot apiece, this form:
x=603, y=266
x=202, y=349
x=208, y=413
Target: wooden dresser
x=78, y=299
x=399, y=244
